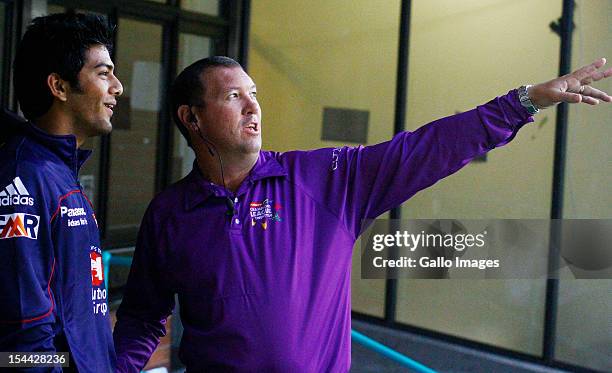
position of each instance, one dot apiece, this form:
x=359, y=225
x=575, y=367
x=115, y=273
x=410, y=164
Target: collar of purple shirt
x=199, y=189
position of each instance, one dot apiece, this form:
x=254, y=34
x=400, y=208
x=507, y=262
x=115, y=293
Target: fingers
x=574, y=98
x=590, y=100
x=598, y=75
x=588, y=73
x=569, y=97
x=578, y=88
x=595, y=93
x=590, y=96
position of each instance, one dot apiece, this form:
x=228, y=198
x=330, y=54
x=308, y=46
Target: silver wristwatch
x=525, y=101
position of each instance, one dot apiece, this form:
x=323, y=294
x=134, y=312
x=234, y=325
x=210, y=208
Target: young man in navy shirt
x=52, y=292
x=257, y=244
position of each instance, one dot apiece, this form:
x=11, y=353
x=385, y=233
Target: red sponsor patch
x=97, y=268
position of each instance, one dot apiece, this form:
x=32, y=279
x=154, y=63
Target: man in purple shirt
x=257, y=244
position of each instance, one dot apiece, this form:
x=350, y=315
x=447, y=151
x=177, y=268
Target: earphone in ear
x=192, y=118
x=193, y=122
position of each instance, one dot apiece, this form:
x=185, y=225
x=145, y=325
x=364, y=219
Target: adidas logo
x=15, y=194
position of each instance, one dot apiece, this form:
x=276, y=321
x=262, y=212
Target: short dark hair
x=188, y=88
x=56, y=43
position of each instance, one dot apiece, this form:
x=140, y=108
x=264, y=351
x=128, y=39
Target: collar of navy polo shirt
x=64, y=146
x=198, y=189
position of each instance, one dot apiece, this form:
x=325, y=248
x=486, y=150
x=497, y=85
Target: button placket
x=235, y=219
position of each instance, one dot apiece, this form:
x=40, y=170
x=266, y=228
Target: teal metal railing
x=108, y=258
x=389, y=353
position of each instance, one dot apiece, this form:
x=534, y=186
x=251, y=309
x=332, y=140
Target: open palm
x=573, y=88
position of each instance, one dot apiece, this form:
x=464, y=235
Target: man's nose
x=251, y=106
x=116, y=88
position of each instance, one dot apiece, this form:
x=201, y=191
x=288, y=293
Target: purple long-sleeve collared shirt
x=266, y=288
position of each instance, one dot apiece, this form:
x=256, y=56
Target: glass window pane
x=584, y=320
x=210, y=7
x=340, y=54
x=462, y=54
x=135, y=122
x=191, y=48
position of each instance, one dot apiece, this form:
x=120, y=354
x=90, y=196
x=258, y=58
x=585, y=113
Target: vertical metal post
x=238, y=13
x=552, y=285
x=245, y=24
x=401, y=94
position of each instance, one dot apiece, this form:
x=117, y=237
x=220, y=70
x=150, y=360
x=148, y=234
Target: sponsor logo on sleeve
x=19, y=225
x=98, y=292
x=16, y=194
x=97, y=269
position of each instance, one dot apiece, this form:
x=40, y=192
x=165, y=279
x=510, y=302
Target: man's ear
x=58, y=86
x=188, y=119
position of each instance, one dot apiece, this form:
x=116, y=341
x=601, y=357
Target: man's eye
x=233, y=95
x=254, y=94
x=105, y=73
